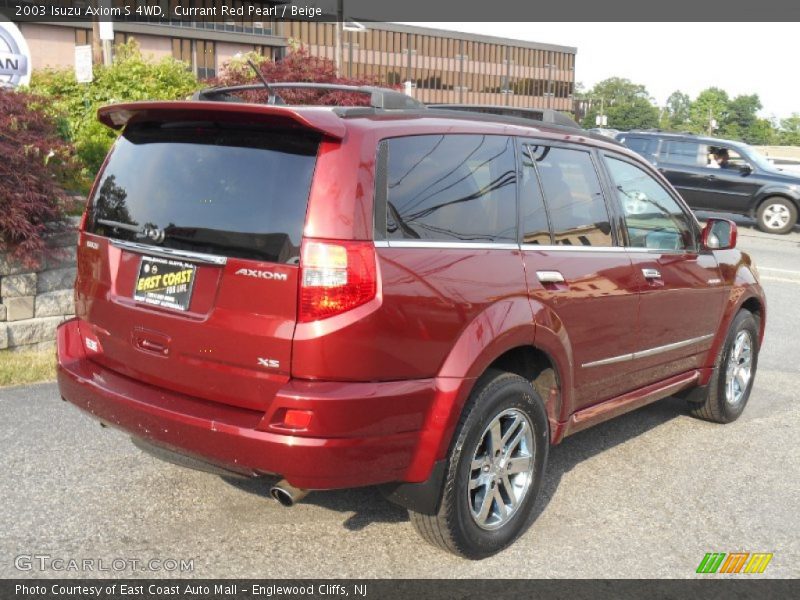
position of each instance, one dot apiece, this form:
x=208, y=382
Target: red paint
x=372, y=391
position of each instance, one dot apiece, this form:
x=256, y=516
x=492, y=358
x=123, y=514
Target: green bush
x=131, y=77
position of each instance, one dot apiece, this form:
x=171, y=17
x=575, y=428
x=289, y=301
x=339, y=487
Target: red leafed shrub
x=35, y=163
x=298, y=66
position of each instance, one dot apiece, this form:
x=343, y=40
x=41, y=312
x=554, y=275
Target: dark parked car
x=746, y=183
x=422, y=299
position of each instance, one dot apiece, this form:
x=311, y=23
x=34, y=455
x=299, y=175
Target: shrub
x=36, y=164
x=298, y=66
x=131, y=77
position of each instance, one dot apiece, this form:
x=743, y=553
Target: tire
x=505, y=400
x=777, y=215
x=721, y=403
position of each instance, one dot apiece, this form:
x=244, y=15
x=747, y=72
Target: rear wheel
x=494, y=472
x=777, y=215
x=734, y=371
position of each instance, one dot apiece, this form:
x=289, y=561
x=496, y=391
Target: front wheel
x=777, y=215
x=494, y=470
x=735, y=368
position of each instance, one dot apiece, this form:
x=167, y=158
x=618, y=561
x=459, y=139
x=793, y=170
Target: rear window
x=232, y=191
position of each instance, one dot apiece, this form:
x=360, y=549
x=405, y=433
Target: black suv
x=720, y=175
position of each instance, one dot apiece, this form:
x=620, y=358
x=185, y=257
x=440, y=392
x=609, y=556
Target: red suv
x=416, y=297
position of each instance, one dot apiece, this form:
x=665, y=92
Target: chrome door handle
x=549, y=277
x=651, y=273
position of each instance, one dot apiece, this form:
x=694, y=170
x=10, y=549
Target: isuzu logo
x=15, y=57
x=262, y=274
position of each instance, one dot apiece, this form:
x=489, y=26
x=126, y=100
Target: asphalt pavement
x=645, y=495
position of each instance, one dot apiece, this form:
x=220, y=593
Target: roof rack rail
x=545, y=115
x=657, y=130
x=379, y=97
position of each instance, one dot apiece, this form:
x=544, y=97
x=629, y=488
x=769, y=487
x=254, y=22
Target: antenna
x=271, y=98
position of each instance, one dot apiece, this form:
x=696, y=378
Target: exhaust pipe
x=287, y=494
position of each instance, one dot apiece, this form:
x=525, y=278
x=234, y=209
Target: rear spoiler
x=322, y=120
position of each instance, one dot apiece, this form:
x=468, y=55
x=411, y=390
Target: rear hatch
x=188, y=263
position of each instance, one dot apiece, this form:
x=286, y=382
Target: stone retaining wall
x=34, y=301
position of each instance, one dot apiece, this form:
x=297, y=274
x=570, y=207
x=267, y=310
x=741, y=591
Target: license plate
x=165, y=282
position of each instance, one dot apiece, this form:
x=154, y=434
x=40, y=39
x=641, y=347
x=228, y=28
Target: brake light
x=335, y=277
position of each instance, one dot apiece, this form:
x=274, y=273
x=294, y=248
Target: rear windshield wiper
x=150, y=232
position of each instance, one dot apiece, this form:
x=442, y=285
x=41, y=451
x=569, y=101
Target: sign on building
x=15, y=56
x=83, y=64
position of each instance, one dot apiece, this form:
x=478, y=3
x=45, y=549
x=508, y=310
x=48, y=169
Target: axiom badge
x=262, y=274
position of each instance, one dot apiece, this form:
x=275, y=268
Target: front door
x=681, y=291
x=728, y=187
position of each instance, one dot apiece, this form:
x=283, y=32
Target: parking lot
x=645, y=495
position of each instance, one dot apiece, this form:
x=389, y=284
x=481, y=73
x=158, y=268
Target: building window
x=206, y=57
x=199, y=55
x=182, y=50
x=83, y=37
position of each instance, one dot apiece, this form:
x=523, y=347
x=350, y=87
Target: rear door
x=575, y=267
x=188, y=265
x=681, y=288
x=683, y=163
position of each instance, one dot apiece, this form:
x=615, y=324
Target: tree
x=626, y=104
x=711, y=103
x=677, y=110
x=790, y=130
x=36, y=164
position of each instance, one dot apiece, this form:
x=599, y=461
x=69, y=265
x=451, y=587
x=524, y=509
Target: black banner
x=166, y=12
x=403, y=589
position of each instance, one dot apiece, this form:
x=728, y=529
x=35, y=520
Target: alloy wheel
x=740, y=368
x=501, y=470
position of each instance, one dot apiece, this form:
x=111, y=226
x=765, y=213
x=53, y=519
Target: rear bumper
x=375, y=432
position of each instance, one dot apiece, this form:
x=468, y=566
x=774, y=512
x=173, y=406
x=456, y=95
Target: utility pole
x=97, y=48
x=337, y=51
x=102, y=36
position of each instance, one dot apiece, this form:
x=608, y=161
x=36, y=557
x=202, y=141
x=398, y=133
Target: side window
x=683, y=153
x=535, y=228
x=722, y=157
x=644, y=146
x=653, y=218
x=451, y=188
x=574, y=198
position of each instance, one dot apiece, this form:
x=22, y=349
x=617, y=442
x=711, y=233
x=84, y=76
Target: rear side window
x=237, y=192
x=683, y=153
x=644, y=146
x=574, y=198
x=451, y=188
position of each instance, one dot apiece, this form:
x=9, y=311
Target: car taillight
x=335, y=277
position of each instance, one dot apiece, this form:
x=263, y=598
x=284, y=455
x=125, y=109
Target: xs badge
x=262, y=274
x=270, y=363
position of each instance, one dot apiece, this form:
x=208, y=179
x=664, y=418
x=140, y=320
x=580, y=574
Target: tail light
x=335, y=277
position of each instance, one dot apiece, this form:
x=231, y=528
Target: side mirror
x=745, y=169
x=718, y=234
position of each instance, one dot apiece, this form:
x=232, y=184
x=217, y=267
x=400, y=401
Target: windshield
x=759, y=159
x=231, y=191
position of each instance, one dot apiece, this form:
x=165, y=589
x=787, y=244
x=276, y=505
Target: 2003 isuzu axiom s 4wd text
x=421, y=298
